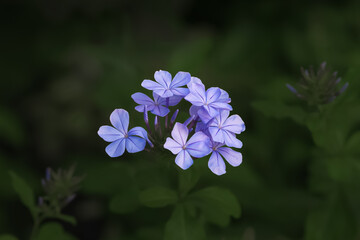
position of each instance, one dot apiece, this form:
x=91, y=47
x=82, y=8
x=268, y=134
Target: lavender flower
x=197, y=146
x=223, y=129
x=119, y=136
x=216, y=162
x=210, y=100
x=158, y=106
x=165, y=86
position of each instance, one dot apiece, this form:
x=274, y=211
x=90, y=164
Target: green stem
x=35, y=228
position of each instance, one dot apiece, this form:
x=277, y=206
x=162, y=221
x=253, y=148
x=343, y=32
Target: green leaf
x=124, y=202
x=25, y=193
x=332, y=220
x=8, y=237
x=181, y=227
x=187, y=180
x=53, y=231
x=158, y=197
x=217, y=204
x=353, y=144
x=66, y=218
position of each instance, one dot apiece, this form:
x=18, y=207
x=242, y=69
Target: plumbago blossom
x=210, y=130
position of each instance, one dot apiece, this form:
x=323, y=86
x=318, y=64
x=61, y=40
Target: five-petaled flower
x=119, y=136
x=197, y=146
x=165, y=86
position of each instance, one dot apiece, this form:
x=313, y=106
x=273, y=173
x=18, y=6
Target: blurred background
x=65, y=65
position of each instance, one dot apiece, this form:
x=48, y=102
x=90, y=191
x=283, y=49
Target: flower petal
x=193, y=111
x=109, y=134
x=217, y=164
x=184, y=160
x=216, y=133
x=212, y=94
x=174, y=100
x=231, y=141
x=204, y=115
x=234, y=124
x=135, y=144
x=119, y=118
x=163, y=77
x=141, y=108
x=231, y=156
x=180, y=133
x=180, y=79
x=138, y=131
x=151, y=85
x=116, y=149
x=164, y=93
x=198, y=145
x=195, y=80
x=222, y=105
x=172, y=145
x=141, y=98
x=197, y=94
x=160, y=111
x=180, y=91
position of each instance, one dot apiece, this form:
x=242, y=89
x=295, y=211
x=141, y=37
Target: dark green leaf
x=53, y=231
x=158, y=197
x=181, y=227
x=66, y=218
x=217, y=204
x=187, y=180
x=25, y=193
x=332, y=220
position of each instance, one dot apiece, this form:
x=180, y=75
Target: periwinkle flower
x=119, y=136
x=197, y=146
x=211, y=100
x=165, y=86
x=223, y=129
x=216, y=162
x=158, y=106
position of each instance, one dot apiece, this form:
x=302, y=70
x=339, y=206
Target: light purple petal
x=222, y=105
x=119, y=118
x=164, y=93
x=160, y=111
x=204, y=115
x=224, y=97
x=180, y=91
x=135, y=144
x=231, y=141
x=197, y=94
x=180, y=79
x=234, y=124
x=116, y=149
x=211, y=110
x=194, y=110
x=109, y=134
x=138, y=131
x=141, y=108
x=151, y=85
x=195, y=80
x=141, y=98
x=194, y=99
x=231, y=156
x=184, y=160
x=212, y=94
x=217, y=164
x=198, y=145
x=172, y=145
x=216, y=133
x=164, y=78
x=174, y=100
x=180, y=133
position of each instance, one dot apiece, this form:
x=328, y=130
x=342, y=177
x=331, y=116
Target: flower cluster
x=210, y=128
x=318, y=88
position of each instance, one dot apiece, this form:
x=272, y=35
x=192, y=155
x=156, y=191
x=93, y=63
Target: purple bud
x=291, y=88
x=157, y=125
x=344, y=88
x=47, y=174
x=323, y=65
x=40, y=201
x=189, y=120
x=146, y=119
x=150, y=143
x=173, y=118
x=337, y=81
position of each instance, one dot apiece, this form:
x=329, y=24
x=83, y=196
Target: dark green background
x=65, y=65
